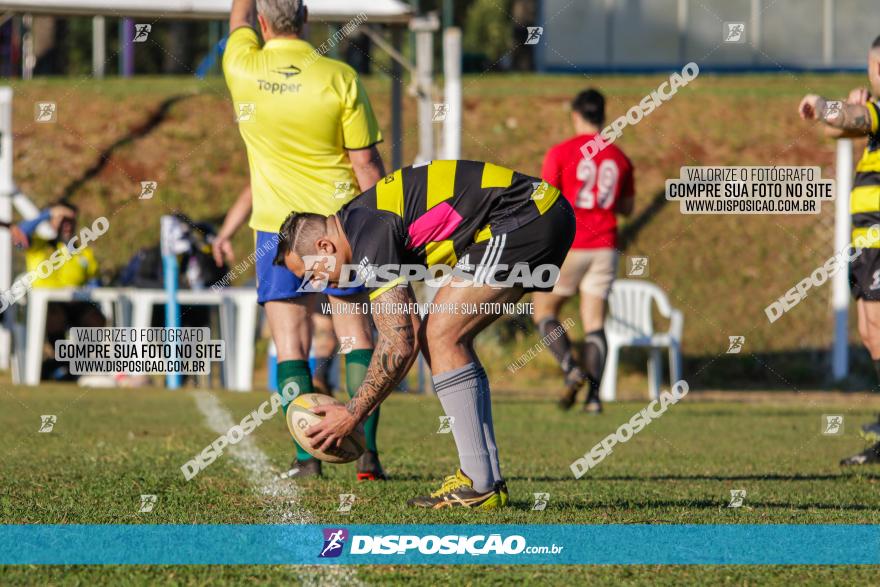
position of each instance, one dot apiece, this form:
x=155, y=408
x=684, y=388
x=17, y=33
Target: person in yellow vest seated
x=79, y=270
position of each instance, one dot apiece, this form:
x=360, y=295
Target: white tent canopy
x=376, y=11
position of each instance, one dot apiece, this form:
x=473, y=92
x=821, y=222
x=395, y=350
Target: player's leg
x=288, y=312
x=595, y=348
x=353, y=328
x=446, y=339
x=323, y=348
x=869, y=330
x=595, y=287
x=864, y=279
x=291, y=327
x=546, y=317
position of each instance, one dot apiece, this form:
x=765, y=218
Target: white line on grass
x=286, y=508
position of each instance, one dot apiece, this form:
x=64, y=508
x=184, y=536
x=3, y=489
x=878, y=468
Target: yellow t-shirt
x=297, y=112
x=73, y=270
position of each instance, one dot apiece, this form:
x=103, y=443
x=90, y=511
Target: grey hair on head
x=285, y=17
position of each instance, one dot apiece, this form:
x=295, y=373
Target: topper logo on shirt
x=288, y=72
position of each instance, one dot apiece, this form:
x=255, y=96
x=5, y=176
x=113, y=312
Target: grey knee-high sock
x=488, y=425
x=560, y=348
x=459, y=393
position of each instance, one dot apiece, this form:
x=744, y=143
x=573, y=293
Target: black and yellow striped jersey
x=864, y=200
x=430, y=213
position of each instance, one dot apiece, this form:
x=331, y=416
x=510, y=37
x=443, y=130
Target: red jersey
x=593, y=186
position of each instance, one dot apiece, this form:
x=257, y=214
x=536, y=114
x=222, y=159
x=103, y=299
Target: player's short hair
x=590, y=105
x=298, y=234
x=285, y=17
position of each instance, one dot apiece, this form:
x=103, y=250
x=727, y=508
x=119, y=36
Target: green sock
x=356, y=363
x=295, y=372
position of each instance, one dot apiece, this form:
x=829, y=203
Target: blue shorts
x=275, y=282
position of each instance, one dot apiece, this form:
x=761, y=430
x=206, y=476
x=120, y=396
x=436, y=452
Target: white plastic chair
x=241, y=312
x=238, y=324
x=38, y=300
x=629, y=324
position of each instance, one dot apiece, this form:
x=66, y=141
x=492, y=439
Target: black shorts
x=864, y=275
x=539, y=248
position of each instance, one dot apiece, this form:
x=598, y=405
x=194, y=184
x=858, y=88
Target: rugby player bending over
x=483, y=218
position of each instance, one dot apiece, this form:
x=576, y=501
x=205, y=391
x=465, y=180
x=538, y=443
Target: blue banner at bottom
x=441, y=544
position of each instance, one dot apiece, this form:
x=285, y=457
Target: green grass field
x=110, y=447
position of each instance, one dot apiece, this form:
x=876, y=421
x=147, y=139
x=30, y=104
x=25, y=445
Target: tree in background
x=63, y=46
x=525, y=14
x=495, y=32
x=487, y=34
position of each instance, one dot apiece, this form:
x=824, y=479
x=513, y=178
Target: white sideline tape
x=286, y=508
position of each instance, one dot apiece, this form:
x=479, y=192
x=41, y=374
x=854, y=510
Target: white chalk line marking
x=285, y=508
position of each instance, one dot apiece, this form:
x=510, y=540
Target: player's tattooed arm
x=396, y=349
x=847, y=117
x=852, y=119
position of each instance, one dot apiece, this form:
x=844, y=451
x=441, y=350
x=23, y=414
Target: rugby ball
x=300, y=417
